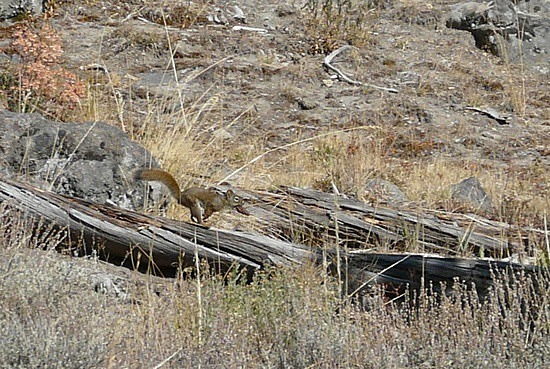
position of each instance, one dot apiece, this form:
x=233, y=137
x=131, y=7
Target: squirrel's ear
x=230, y=193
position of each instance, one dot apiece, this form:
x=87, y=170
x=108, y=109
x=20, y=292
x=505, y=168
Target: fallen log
x=413, y=272
x=164, y=245
x=322, y=217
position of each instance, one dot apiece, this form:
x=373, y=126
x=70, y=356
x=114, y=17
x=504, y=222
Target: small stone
x=470, y=193
x=385, y=191
x=222, y=134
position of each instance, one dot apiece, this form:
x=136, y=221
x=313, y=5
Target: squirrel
x=202, y=202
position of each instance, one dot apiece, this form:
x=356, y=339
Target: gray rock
x=516, y=30
x=470, y=193
x=13, y=8
x=385, y=191
x=92, y=161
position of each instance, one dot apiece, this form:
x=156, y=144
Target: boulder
x=14, y=8
x=93, y=161
x=516, y=30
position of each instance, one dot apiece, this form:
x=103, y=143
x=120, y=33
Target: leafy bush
x=38, y=81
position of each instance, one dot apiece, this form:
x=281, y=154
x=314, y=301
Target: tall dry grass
x=51, y=316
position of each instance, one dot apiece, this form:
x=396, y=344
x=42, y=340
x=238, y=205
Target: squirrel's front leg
x=197, y=213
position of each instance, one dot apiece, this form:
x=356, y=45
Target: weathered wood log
x=321, y=216
x=399, y=273
x=165, y=245
x=168, y=244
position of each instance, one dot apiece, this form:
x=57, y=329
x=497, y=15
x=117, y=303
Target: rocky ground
x=148, y=61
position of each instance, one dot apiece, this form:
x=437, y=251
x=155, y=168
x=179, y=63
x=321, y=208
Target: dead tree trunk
x=400, y=273
x=158, y=242
x=319, y=217
x=165, y=245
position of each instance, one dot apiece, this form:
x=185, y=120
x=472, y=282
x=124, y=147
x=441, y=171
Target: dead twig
x=328, y=60
x=250, y=29
x=491, y=113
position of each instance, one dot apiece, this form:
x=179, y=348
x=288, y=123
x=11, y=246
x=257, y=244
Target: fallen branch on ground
x=343, y=76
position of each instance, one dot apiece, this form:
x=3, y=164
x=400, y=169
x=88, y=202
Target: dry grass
x=199, y=150
x=330, y=24
x=350, y=159
x=50, y=316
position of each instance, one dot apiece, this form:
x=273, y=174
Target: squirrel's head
x=236, y=202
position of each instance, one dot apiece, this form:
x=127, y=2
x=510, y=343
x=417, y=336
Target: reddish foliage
x=40, y=74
